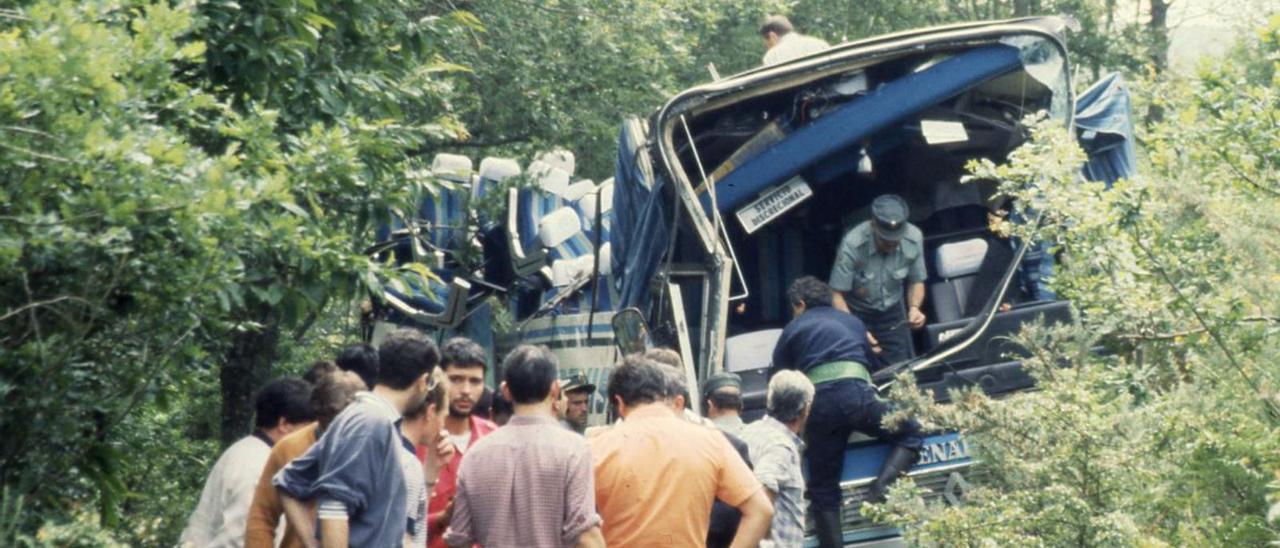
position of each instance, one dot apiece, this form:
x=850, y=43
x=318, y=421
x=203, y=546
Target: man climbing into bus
x=830, y=347
x=875, y=259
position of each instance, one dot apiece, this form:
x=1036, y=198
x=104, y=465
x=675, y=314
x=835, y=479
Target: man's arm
x=334, y=533
x=591, y=538
x=298, y=514
x=838, y=302
x=915, y=299
x=757, y=515
x=265, y=510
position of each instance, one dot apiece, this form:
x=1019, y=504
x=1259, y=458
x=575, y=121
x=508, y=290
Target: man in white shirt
x=219, y=519
x=782, y=44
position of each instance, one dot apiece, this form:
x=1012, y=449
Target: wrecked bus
x=737, y=187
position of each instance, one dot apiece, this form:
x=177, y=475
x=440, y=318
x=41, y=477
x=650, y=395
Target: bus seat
x=957, y=265
x=494, y=171
x=559, y=158
x=431, y=302
x=579, y=189
x=452, y=167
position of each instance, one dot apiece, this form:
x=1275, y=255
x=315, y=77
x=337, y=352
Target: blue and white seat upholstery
x=439, y=300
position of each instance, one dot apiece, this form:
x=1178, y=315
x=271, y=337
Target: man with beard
x=464, y=364
x=574, y=409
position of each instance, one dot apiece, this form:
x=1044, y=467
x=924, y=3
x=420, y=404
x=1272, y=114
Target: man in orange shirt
x=657, y=474
x=333, y=391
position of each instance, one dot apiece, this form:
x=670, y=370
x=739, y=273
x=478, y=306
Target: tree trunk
x=247, y=368
x=1158, y=50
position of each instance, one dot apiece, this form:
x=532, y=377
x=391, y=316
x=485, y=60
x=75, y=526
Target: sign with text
x=773, y=203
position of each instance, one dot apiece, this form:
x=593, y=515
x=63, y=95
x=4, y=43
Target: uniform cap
x=575, y=382
x=720, y=380
x=889, y=215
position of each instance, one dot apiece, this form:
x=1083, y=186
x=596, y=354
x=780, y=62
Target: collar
x=728, y=421
x=657, y=410
x=264, y=437
x=380, y=405
x=527, y=420
x=770, y=422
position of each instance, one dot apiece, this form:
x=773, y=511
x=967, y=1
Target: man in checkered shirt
x=775, y=448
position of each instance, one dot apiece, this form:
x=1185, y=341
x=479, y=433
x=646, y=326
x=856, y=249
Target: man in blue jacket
x=830, y=347
x=353, y=472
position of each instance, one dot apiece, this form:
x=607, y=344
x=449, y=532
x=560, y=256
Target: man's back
x=356, y=463
x=219, y=518
x=657, y=475
x=529, y=483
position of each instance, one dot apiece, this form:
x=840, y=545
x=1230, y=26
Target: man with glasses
x=876, y=259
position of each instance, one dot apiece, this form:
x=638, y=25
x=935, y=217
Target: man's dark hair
x=362, y=359
x=289, y=398
x=810, y=291
x=463, y=352
x=638, y=380
x=776, y=24
x=318, y=370
x=404, y=357
x=529, y=372
x=726, y=398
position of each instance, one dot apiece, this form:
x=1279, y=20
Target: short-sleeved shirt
x=872, y=280
x=527, y=484
x=821, y=335
x=775, y=452
x=657, y=474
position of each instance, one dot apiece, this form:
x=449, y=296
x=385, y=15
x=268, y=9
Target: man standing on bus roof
x=782, y=43
x=875, y=259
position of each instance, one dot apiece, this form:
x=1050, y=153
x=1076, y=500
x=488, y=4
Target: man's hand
x=757, y=515
x=875, y=344
x=915, y=318
x=438, y=456
x=442, y=523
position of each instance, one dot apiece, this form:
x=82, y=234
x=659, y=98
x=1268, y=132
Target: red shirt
x=446, y=485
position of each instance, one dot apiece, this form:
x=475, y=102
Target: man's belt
x=833, y=371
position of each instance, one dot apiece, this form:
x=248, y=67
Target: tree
x=1169, y=436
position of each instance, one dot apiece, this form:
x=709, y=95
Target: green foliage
x=1169, y=436
x=160, y=229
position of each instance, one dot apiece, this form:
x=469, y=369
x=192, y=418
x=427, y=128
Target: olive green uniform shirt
x=872, y=280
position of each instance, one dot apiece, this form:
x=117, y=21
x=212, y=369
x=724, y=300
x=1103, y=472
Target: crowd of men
x=411, y=461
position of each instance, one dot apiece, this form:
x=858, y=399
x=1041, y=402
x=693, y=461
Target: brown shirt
x=527, y=484
x=657, y=475
x=265, y=512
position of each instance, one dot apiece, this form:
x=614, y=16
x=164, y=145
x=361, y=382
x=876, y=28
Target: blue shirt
x=356, y=467
x=821, y=335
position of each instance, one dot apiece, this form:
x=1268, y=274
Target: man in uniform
x=722, y=400
x=574, y=407
x=830, y=347
x=875, y=259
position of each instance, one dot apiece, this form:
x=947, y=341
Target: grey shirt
x=775, y=454
x=873, y=281
x=729, y=423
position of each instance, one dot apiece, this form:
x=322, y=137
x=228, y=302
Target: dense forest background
x=186, y=187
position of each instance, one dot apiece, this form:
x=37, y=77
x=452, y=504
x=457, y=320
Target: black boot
x=898, y=462
x=828, y=527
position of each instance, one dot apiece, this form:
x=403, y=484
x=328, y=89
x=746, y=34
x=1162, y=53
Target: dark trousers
x=839, y=408
x=891, y=329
